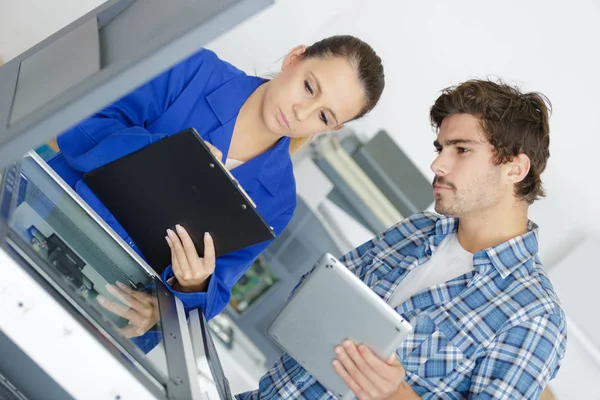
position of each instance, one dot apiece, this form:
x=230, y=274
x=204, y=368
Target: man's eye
x=324, y=118
x=308, y=88
x=462, y=150
x=438, y=150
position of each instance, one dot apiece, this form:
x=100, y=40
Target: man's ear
x=293, y=56
x=518, y=169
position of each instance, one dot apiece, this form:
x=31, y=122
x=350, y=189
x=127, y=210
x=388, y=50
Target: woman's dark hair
x=362, y=57
x=365, y=62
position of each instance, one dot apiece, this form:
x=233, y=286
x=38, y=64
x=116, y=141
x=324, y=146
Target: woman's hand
x=191, y=271
x=215, y=152
x=139, y=308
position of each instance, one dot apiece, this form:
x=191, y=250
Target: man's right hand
x=369, y=377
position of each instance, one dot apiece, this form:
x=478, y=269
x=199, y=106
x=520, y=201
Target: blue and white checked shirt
x=497, y=332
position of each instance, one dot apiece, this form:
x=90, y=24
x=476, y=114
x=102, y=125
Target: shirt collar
x=271, y=174
x=505, y=257
x=227, y=100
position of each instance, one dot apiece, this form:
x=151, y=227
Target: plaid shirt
x=497, y=332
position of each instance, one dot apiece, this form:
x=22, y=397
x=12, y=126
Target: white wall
x=573, y=275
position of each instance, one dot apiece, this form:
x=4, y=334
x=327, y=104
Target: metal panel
x=44, y=76
x=19, y=370
x=30, y=306
x=137, y=43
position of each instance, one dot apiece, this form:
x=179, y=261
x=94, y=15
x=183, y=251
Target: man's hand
x=192, y=272
x=141, y=309
x=366, y=375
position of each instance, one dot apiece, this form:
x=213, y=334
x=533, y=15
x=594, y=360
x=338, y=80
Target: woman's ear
x=293, y=56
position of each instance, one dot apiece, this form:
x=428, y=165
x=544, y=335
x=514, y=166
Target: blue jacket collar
x=229, y=98
x=226, y=103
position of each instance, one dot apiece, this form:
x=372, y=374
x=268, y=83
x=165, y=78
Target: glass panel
x=90, y=260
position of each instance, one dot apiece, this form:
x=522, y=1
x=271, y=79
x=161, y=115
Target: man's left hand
x=366, y=375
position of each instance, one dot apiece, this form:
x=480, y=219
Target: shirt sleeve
x=520, y=362
x=413, y=228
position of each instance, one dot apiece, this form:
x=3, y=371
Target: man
x=487, y=322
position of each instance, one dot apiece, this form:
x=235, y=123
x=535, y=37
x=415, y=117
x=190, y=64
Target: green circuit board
x=252, y=286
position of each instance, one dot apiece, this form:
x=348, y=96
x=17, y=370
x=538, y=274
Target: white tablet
x=330, y=306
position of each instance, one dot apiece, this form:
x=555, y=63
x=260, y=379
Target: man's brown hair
x=514, y=123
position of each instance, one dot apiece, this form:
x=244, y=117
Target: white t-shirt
x=449, y=261
x=230, y=163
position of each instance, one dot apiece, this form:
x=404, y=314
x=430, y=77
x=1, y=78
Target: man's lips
x=439, y=188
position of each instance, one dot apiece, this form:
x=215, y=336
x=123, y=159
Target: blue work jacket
x=201, y=92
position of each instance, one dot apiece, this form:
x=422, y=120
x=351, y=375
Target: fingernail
x=206, y=234
x=102, y=300
x=170, y=233
x=338, y=349
x=178, y=228
x=168, y=240
x=110, y=288
x=347, y=343
x=122, y=285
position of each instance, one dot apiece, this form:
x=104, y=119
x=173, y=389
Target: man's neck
x=492, y=227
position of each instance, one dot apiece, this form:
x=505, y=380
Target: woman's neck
x=250, y=135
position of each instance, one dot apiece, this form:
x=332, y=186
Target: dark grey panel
x=395, y=174
x=148, y=24
x=346, y=199
x=9, y=74
x=45, y=75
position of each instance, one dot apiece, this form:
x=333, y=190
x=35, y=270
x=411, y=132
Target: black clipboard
x=177, y=180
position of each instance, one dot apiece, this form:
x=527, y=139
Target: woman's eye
x=308, y=87
x=324, y=118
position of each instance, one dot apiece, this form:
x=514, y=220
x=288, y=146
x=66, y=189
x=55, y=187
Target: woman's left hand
x=191, y=271
x=140, y=308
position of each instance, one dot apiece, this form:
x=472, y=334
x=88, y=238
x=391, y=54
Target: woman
x=252, y=123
